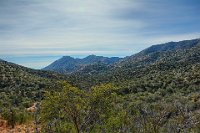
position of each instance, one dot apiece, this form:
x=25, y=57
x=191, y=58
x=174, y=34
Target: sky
x=34, y=33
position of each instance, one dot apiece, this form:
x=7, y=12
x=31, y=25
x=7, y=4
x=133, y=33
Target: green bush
x=15, y=116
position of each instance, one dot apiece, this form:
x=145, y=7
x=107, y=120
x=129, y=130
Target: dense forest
x=156, y=90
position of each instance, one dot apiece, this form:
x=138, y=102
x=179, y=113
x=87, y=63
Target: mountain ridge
x=160, y=49
x=68, y=64
x=139, y=65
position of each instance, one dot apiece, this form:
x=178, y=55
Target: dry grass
x=27, y=128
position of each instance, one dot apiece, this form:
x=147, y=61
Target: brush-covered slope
x=23, y=85
x=158, y=52
x=13, y=75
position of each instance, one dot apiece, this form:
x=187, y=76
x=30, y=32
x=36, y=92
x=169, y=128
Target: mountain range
x=68, y=64
x=91, y=66
x=94, y=69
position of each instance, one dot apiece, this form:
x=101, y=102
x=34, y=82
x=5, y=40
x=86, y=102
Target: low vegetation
x=104, y=109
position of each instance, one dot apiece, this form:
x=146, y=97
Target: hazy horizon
x=35, y=33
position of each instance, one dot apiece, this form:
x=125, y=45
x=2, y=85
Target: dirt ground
x=29, y=128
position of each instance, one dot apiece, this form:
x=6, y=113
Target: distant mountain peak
x=92, y=55
x=67, y=57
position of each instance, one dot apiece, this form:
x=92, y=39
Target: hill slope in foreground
x=21, y=86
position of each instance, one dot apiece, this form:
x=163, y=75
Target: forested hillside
x=20, y=82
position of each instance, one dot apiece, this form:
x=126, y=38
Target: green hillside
x=20, y=87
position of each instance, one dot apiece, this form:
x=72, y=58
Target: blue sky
x=34, y=33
